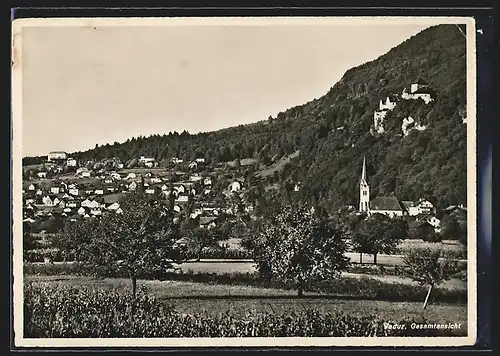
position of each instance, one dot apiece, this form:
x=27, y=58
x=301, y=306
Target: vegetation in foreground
x=82, y=312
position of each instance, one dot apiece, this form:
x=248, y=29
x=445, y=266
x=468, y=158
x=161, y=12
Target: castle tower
x=364, y=191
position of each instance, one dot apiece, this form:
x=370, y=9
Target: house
x=132, y=186
x=42, y=174
x=420, y=229
x=207, y=191
x=115, y=176
x=99, y=192
x=55, y=190
x=419, y=90
x=113, y=207
x=193, y=165
x=82, y=211
x=200, y=160
x=195, y=178
x=71, y=162
x=73, y=204
x=207, y=181
x=235, y=186
x=32, y=187
x=108, y=180
x=50, y=200
x=95, y=211
x=151, y=190
x=429, y=218
x=182, y=198
x=164, y=187
x=131, y=175
x=74, y=191
x=208, y=222
x=155, y=180
x=87, y=203
x=39, y=192
x=180, y=189
x=177, y=208
x=177, y=160
x=85, y=174
x=422, y=206
x=57, y=155
x=149, y=164
x=297, y=187
x=145, y=160
x=67, y=196
x=29, y=201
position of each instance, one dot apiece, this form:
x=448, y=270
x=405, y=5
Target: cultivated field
x=216, y=299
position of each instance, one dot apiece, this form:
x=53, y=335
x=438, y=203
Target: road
x=248, y=266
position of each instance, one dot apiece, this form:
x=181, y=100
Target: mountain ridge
x=333, y=132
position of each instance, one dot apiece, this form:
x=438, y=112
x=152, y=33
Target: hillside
x=334, y=132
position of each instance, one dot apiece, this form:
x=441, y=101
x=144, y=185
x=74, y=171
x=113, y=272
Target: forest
x=332, y=133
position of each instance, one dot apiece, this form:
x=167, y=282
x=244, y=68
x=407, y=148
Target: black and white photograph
x=244, y=181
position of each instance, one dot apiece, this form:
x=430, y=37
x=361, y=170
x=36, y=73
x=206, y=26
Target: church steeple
x=363, y=173
x=364, y=190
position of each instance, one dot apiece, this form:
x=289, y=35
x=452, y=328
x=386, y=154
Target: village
x=65, y=189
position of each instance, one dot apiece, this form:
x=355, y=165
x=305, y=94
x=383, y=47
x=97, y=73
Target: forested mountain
x=333, y=132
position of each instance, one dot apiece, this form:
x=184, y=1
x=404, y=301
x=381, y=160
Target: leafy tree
x=29, y=242
x=299, y=247
x=141, y=241
x=450, y=229
x=428, y=267
x=200, y=238
x=379, y=233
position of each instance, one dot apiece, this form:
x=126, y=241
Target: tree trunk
x=199, y=253
x=374, y=258
x=300, y=291
x=360, y=257
x=134, y=285
x=428, y=295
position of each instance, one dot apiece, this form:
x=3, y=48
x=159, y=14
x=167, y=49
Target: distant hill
x=334, y=132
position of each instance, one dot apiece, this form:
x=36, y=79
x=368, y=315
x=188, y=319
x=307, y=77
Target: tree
x=300, y=247
x=141, y=241
x=451, y=229
x=426, y=266
x=200, y=238
x=379, y=233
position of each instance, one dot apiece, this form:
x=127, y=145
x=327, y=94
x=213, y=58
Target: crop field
x=240, y=301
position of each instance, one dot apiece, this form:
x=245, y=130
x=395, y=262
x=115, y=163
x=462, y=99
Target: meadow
x=233, y=304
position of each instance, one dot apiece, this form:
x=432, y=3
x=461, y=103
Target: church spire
x=364, y=191
x=363, y=173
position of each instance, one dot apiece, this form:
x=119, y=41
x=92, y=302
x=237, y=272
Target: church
x=389, y=206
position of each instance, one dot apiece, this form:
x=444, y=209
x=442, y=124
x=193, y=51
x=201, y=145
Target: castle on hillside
x=418, y=90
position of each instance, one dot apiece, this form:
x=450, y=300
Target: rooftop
x=385, y=203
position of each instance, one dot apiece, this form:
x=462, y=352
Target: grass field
x=187, y=297
x=277, y=166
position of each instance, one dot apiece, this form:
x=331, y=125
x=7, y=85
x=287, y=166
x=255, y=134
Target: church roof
x=421, y=81
x=385, y=203
x=407, y=203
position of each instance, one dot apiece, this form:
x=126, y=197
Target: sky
x=87, y=85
